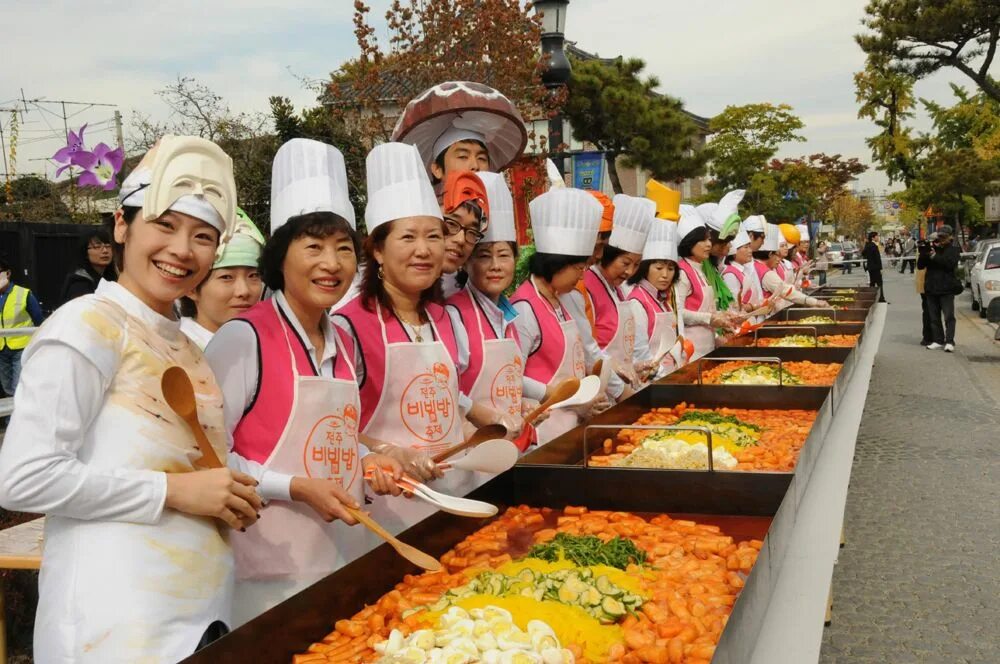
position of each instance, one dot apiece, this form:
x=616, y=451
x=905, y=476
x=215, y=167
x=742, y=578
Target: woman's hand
x=385, y=472
x=627, y=373
x=726, y=320
x=224, y=494
x=326, y=497
x=528, y=405
x=415, y=463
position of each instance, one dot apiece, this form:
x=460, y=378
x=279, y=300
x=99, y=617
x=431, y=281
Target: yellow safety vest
x=15, y=314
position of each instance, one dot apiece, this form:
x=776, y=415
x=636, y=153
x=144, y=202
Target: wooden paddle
x=482, y=434
x=563, y=391
x=596, y=370
x=411, y=553
x=179, y=393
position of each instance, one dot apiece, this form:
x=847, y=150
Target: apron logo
x=427, y=409
x=629, y=335
x=507, y=387
x=331, y=450
x=579, y=366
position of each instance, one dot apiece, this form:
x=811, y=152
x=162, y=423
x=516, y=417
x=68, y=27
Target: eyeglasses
x=452, y=227
x=99, y=247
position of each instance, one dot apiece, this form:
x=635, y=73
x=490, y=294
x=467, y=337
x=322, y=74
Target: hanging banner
x=527, y=180
x=588, y=170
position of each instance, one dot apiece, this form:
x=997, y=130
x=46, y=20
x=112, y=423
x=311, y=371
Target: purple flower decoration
x=74, y=153
x=106, y=165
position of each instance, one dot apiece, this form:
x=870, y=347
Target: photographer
x=941, y=285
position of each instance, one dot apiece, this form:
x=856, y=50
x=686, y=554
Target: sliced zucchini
x=605, y=585
x=613, y=607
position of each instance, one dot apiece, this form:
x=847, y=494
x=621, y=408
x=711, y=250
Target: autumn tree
x=617, y=110
x=495, y=42
x=920, y=37
x=886, y=98
x=746, y=137
x=850, y=215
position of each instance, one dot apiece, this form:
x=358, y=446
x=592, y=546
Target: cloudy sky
x=709, y=54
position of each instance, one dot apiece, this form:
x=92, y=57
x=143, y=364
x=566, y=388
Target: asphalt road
x=917, y=580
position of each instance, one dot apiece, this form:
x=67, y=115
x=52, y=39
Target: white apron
x=500, y=382
x=572, y=365
x=418, y=408
x=291, y=547
x=702, y=336
x=664, y=332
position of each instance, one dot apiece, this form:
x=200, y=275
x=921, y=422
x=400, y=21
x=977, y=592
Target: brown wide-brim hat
x=463, y=105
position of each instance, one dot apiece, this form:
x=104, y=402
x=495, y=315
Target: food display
x=756, y=373
x=758, y=439
x=808, y=341
x=540, y=585
x=810, y=320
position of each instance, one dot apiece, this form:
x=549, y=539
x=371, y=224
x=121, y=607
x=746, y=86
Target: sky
x=708, y=54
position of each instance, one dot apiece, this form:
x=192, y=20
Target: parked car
x=978, y=252
x=986, y=279
x=835, y=254
x=851, y=252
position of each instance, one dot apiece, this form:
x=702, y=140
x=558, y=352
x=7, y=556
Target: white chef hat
x=553, y=175
x=772, y=237
x=661, y=243
x=309, y=176
x=501, y=227
x=741, y=239
x=633, y=216
x=690, y=220
x=565, y=221
x=803, y=232
x=725, y=217
x=397, y=185
x=754, y=223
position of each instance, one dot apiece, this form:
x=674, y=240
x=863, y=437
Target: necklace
x=414, y=329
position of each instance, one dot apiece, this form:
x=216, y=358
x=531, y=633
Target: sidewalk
x=917, y=580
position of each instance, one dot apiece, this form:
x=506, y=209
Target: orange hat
x=464, y=187
x=791, y=233
x=668, y=201
x=607, y=218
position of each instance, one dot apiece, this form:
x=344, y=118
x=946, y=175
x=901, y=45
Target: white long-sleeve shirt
x=775, y=284
x=573, y=301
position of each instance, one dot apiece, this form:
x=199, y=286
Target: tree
x=787, y=189
x=851, y=215
x=973, y=122
x=920, y=37
x=746, y=137
x=954, y=181
x=610, y=106
x=246, y=137
x=495, y=42
x=886, y=98
x=35, y=199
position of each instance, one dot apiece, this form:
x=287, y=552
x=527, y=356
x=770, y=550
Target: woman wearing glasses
x=465, y=219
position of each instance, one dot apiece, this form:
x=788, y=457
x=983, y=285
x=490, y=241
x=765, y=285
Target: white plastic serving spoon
x=493, y=456
x=589, y=388
x=451, y=504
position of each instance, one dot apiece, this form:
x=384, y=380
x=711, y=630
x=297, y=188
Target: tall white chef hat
x=661, y=243
x=690, y=220
x=725, y=217
x=754, y=223
x=772, y=237
x=633, y=216
x=398, y=186
x=803, y=232
x=741, y=239
x=501, y=227
x=565, y=221
x=309, y=176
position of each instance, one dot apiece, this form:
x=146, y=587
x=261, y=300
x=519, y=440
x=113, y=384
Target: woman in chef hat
x=657, y=324
x=494, y=379
x=233, y=286
x=803, y=263
x=578, y=301
x=723, y=222
x=745, y=291
x=701, y=315
x=137, y=563
x=292, y=402
x=565, y=224
x=407, y=355
x=767, y=265
x=614, y=322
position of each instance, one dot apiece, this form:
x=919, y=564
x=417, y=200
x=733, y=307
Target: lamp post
x=556, y=76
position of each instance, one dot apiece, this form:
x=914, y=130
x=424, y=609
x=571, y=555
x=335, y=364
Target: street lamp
x=556, y=76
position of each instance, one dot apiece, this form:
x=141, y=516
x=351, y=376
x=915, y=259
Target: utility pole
x=118, y=130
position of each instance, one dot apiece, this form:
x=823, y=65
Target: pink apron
x=418, y=407
x=702, y=299
x=291, y=547
x=607, y=302
x=663, y=326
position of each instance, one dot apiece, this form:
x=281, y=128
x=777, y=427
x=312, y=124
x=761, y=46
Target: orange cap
x=790, y=232
x=609, y=210
x=464, y=187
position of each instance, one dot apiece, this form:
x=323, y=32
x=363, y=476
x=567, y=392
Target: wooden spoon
x=482, y=434
x=563, y=391
x=598, y=365
x=179, y=393
x=411, y=553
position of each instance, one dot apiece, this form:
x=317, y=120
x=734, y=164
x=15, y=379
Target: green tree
x=617, y=110
x=35, y=199
x=973, y=122
x=954, y=181
x=886, y=98
x=746, y=137
x=850, y=215
x=920, y=37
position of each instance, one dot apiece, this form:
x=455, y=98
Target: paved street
x=918, y=580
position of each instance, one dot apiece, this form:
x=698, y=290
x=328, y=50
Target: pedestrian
x=909, y=251
x=18, y=308
x=873, y=263
x=927, y=335
x=941, y=285
x=94, y=262
x=822, y=262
